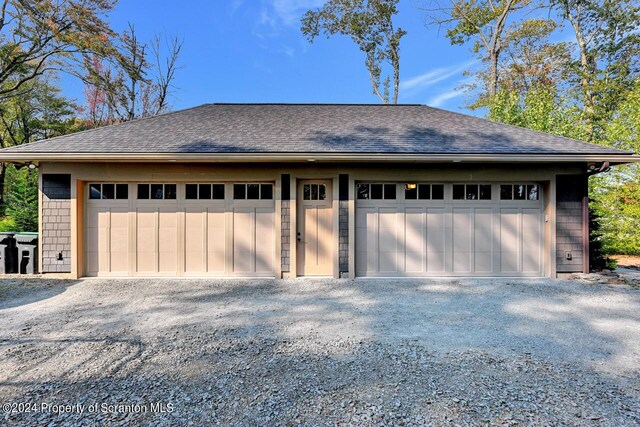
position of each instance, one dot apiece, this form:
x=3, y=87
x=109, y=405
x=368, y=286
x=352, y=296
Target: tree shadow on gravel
x=562, y=321
x=226, y=377
x=17, y=291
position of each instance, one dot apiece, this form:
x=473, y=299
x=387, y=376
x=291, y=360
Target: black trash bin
x=27, y=253
x=8, y=254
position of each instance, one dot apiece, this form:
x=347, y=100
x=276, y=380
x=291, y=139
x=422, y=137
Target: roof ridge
x=319, y=104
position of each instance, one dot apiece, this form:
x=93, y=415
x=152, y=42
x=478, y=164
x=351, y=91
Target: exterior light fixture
x=410, y=186
x=32, y=166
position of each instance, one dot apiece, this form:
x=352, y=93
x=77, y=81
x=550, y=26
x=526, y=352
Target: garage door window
x=471, y=192
x=157, y=191
x=376, y=191
x=424, y=192
x=519, y=192
x=253, y=191
x=204, y=191
x=108, y=191
x=314, y=192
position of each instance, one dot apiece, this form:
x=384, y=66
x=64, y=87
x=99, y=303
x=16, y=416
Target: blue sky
x=253, y=51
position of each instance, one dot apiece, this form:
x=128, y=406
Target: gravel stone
x=322, y=352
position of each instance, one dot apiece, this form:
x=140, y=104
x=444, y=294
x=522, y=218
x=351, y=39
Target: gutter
x=35, y=157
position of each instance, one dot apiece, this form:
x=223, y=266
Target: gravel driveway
x=318, y=352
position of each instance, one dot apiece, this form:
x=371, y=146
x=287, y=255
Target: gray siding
x=572, y=191
x=285, y=222
x=343, y=229
x=56, y=223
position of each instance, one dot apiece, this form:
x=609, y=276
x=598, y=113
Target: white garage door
x=448, y=230
x=169, y=229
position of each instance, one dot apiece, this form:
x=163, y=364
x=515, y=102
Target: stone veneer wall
x=56, y=223
x=570, y=230
x=286, y=236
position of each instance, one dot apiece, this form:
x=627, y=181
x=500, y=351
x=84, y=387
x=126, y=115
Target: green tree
x=486, y=25
x=369, y=23
x=41, y=112
x=22, y=198
x=607, y=37
x=37, y=37
x=617, y=204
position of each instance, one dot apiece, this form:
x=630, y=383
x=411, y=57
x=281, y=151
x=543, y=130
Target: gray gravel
x=321, y=352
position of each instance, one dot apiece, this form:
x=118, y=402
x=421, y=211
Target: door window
x=314, y=192
x=376, y=191
x=253, y=191
x=424, y=192
x=471, y=192
x=519, y=192
x=204, y=191
x=157, y=191
x=108, y=191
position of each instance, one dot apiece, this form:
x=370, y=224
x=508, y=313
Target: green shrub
x=7, y=224
x=21, y=198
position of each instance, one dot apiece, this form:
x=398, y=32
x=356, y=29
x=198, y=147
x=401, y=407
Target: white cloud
x=416, y=84
x=440, y=99
x=289, y=11
x=234, y=6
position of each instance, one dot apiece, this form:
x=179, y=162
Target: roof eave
x=311, y=157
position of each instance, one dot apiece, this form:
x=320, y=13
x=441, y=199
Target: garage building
x=288, y=190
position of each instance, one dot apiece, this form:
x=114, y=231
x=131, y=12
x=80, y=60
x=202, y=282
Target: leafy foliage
x=369, y=23
x=617, y=204
x=37, y=37
x=22, y=198
x=598, y=260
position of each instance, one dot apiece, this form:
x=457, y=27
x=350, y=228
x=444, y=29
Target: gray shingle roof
x=313, y=128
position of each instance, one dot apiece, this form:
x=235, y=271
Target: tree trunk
x=587, y=69
x=396, y=78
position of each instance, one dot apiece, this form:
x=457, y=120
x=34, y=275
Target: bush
x=7, y=224
x=21, y=198
x=598, y=260
x=616, y=202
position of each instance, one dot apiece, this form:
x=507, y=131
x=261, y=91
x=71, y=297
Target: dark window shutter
x=343, y=185
x=286, y=186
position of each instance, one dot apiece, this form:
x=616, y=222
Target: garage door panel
x=119, y=240
x=216, y=240
x=168, y=241
x=243, y=240
x=462, y=230
x=107, y=240
x=436, y=231
x=509, y=240
x=414, y=262
x=483, y=240
x=146, y=241
x=531, y=240
x=415, y=231
x=195, y=234
x=436, y=262
x=483, y=262
x=253, y=241
x=462, y=240
x=265, y=240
